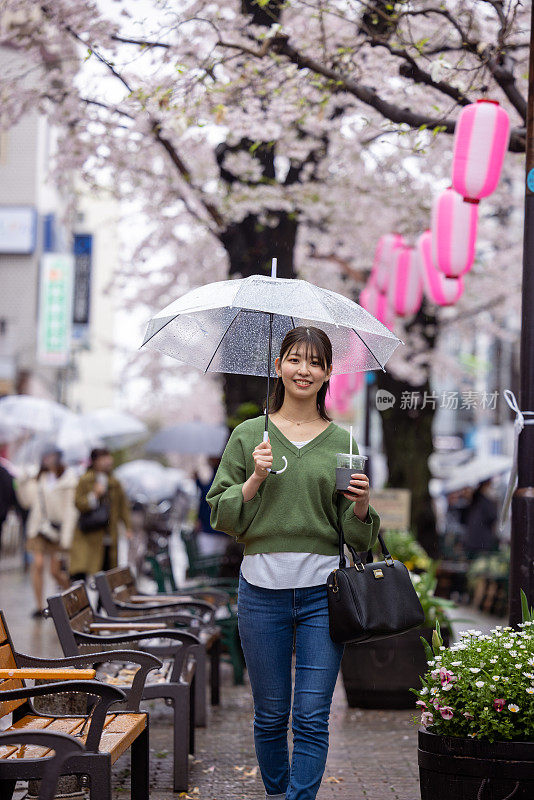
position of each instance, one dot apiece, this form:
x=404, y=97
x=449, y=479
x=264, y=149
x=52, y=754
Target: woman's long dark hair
x=314, y=340
x=60, y=467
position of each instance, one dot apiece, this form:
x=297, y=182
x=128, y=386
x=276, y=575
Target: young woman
x=49, y=496
x=289, y=526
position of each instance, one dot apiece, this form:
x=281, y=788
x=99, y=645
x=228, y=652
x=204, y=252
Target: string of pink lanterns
x=435, y=267
x=445, y=253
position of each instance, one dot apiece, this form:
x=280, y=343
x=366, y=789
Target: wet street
x=373, y=754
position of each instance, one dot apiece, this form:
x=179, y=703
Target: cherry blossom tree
x=236, y=131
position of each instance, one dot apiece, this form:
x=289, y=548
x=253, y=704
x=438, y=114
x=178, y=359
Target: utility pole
x=522, y=549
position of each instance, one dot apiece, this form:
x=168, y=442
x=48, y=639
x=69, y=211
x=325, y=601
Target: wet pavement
x=372, y=756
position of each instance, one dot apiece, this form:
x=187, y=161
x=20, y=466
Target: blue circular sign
x=530, y=180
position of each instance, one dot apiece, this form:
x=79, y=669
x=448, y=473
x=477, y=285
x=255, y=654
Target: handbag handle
x=356, y=556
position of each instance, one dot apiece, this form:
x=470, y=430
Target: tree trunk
x=251, y=247
x=407, y=435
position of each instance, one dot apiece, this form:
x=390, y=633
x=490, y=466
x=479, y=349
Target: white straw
x=350, y=446
x=273, y=268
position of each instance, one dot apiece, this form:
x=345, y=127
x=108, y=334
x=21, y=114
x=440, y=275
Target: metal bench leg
x=215, y=667
x=192, y=721
x=200, y=687
x=181, y=701
x=6, y=789
x=139, y=755
x=100, y=777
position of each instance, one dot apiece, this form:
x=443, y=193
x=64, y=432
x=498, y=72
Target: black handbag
x=372, y=600
x=95, y=519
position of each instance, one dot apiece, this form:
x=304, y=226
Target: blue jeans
x=267, y=619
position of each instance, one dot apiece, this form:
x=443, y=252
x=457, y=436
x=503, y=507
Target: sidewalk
x=372, y=756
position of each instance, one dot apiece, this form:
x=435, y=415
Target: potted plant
x=379, y=674
x=476, y=738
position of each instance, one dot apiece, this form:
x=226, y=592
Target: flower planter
x=454, y=768
x=379, y=674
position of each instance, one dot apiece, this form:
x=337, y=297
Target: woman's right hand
x=263, y=459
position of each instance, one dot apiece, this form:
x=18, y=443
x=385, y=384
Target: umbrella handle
x=279, y=471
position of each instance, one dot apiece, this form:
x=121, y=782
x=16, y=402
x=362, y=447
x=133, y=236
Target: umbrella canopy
x=225, y=326
x=36, y=414
x=148, y=481
x=190, y=437
x=470, y=473
x=106, y=426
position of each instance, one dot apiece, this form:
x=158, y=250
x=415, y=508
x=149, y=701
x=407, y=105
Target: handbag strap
x=356, y=556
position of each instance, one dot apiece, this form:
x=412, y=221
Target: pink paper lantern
x=405, y=291
x=383, y=260
x=454, y=233
x=481, y=140
x=342, y=390
x=438, y=289
x=377, y=304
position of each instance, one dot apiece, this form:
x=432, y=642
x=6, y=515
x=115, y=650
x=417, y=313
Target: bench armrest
x=63, y=745
x=47, y=673
x=107, y=694
x=147, y=662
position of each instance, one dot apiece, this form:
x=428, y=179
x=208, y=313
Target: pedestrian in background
x=49, y=497
x=289, y=526
x=480, y=521
x=210, y=542
x=94, y=547
x=8, y=498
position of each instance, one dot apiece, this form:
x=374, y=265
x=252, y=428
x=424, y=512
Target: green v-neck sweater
x=297, y=511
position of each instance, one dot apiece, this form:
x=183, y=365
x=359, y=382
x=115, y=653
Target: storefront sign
x=81, y=304
x=18, y=229
x=393, y=506
x=55, y=309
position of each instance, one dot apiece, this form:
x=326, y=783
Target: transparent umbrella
x=189, y=437
x=232, y=326
x=105, y=426
x=35, y=414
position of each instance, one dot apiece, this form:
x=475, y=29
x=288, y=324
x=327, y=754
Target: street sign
x=81, y=304
x=55, y=309
x=393, y=506
x=18, y=229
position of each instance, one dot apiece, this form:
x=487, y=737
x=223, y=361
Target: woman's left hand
x=358, y=491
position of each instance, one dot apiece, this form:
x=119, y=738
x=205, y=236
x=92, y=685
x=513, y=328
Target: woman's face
x=302, y=375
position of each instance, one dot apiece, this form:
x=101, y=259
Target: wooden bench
x=58, y=746
x=183, y=662
x=105, y=735
x=119, y=597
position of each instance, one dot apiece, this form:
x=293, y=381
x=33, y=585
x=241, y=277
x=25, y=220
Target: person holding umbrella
x=288, y=522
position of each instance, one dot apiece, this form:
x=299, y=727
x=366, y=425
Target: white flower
x=493, y=660
x=474, y=669
x=506, y=679
x=528, y=675
x=513, y=653
x=479, y=649
x=513, y=707
x=498, y=627
x=456, y=663
x=508, y=645
x=431, y=663
x=479, y=684
x=518, y=666
x=434, y=690
x=529, y=690
x=424, y=690
x=496, y=677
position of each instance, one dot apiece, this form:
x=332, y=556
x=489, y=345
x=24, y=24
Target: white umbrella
x=104, y=427
x=23, y=412
x=232, y=326
x=193, y=438
x=147, y=480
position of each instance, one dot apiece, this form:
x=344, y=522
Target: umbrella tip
x=273, y=267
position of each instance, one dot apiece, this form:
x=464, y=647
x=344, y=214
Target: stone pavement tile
x=372, y=756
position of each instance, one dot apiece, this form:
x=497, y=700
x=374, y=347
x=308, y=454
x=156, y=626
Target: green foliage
x=435, y=608
x=404, y=547
x=245, y=411
x=482, y=686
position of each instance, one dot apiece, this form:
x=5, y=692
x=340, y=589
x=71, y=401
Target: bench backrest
x=71, y=611
x=7, y=660
x=115, y=584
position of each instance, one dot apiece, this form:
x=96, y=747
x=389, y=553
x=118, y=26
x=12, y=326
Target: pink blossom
x=421, y=703
x=446, y=712
x=468, y=716
x=427, y=718
x=436, y=703
x=446, y=677
x=499, y=704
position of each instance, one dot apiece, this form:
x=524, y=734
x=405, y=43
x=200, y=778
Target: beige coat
x=49, y=501
x=87, y=551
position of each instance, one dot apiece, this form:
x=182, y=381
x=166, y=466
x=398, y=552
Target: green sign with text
x=55, y=309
